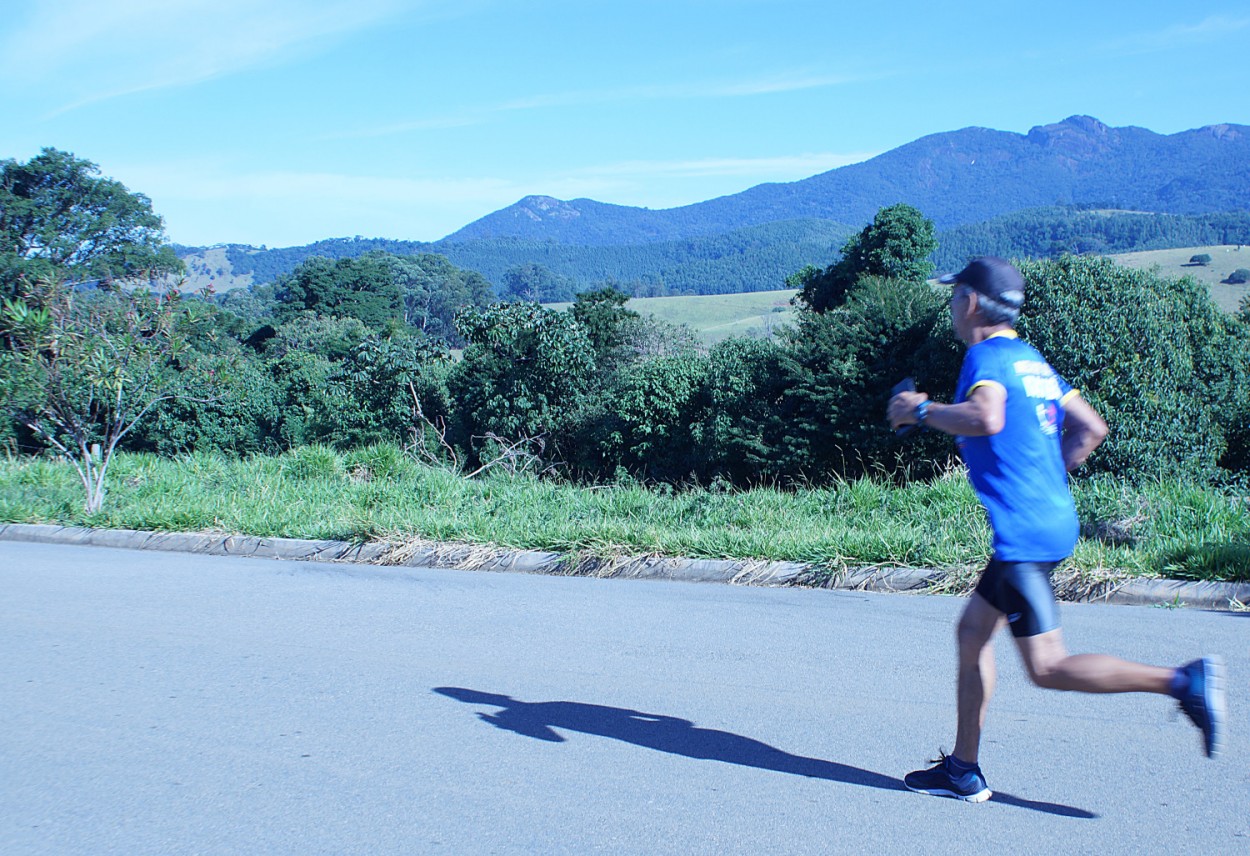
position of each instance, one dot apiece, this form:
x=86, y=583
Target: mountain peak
x=547, y=208
x=1071, y=127
x=954, y=178
x=1224, y=132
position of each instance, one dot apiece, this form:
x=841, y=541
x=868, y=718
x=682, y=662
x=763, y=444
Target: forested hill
x=757, y=258
x=754, y=259
x=955, y=178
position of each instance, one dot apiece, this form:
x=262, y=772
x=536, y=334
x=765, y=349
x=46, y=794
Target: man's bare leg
x=977, y=675
x=1051, y=666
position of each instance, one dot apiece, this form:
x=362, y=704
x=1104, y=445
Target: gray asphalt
x=168, y=704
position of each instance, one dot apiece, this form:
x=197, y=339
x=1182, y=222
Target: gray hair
x=997, y=311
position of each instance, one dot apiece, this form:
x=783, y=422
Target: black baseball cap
x=996, y=278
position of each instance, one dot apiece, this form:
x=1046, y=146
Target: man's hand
x=902, y=408
x=982, y=414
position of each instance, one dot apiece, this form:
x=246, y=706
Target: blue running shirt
x=1018, y=473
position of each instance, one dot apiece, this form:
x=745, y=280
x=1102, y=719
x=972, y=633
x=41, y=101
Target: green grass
x=380, y=494
x=1225, y=258
x=714, y=317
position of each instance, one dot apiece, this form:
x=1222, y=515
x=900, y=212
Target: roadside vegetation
x=1157, y=528
x=327, y=404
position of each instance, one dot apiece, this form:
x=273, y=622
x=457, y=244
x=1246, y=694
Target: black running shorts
x=1022, y=592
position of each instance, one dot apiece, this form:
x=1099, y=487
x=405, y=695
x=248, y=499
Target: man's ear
x=973, y=303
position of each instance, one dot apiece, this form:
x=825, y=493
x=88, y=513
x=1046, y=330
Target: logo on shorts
x=1014, y=617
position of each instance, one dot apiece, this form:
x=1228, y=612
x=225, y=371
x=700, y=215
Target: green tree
x=525, y=370
x=80, y=371
x=844, y=363
x=59, y=219
x=897, y=244
x=242, y=418
x=1200, y=259
x=434, y=290
x=373, y=388
x=742, y=417
x=535, y=283
x=363, y=288
x=1239, y=276
x=651, y=411
x=602, y=314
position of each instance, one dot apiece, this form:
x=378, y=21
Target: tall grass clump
x=307, y=463
x=1157, y=528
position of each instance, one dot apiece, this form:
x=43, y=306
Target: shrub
x=303, y=382
x=740, y=423
x=371, y=390
x=844, y=363
x=651, y=408
x=525, y=371
x=243, y=419
x=1200, y=259
x=1155, y=356
x=1239, y=276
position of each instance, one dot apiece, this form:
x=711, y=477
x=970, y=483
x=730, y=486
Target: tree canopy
x=59, y=219
x=897, y=244
x=363, y=288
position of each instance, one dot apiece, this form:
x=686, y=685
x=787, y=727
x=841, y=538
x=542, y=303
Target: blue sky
x=288, y=121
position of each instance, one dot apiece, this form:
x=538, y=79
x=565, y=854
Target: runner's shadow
x=682, y=737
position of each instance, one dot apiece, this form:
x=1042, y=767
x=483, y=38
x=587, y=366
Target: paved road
x=175, y=704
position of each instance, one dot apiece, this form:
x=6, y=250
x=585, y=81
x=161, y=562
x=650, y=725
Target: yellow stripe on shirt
x=980, y=383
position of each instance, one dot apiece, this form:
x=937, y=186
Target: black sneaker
x=943, y=781
x=1203, y=702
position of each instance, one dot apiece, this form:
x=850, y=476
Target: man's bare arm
x=1083, y=431
x=983, y=414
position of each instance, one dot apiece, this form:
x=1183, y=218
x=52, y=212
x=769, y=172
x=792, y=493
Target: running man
x=1020, y=428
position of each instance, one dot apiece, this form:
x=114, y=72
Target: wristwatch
x=921, y=412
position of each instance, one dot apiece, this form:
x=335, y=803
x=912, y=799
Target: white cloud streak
x=1209, y=29
x=208, y=201
x=481, y=115
x=95, y=51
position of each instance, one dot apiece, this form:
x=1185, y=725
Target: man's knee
x=1043, y=674
x=971, y=637
x=1043, y=656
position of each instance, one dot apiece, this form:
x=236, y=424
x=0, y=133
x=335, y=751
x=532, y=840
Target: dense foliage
x=354, y=351
x=762, y=257
x=59, y=220
x=1169, y=371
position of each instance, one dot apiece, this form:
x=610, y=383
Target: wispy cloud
x=93, y=53
x=594, y=97
x=1209, y=29
x=209, y=200
x=783, y=167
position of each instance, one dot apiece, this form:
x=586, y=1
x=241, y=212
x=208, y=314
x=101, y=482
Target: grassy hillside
x=718, y=316
x=211, y=266
x=1225, y=258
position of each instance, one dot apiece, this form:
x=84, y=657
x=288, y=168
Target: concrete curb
x=1202, y=595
